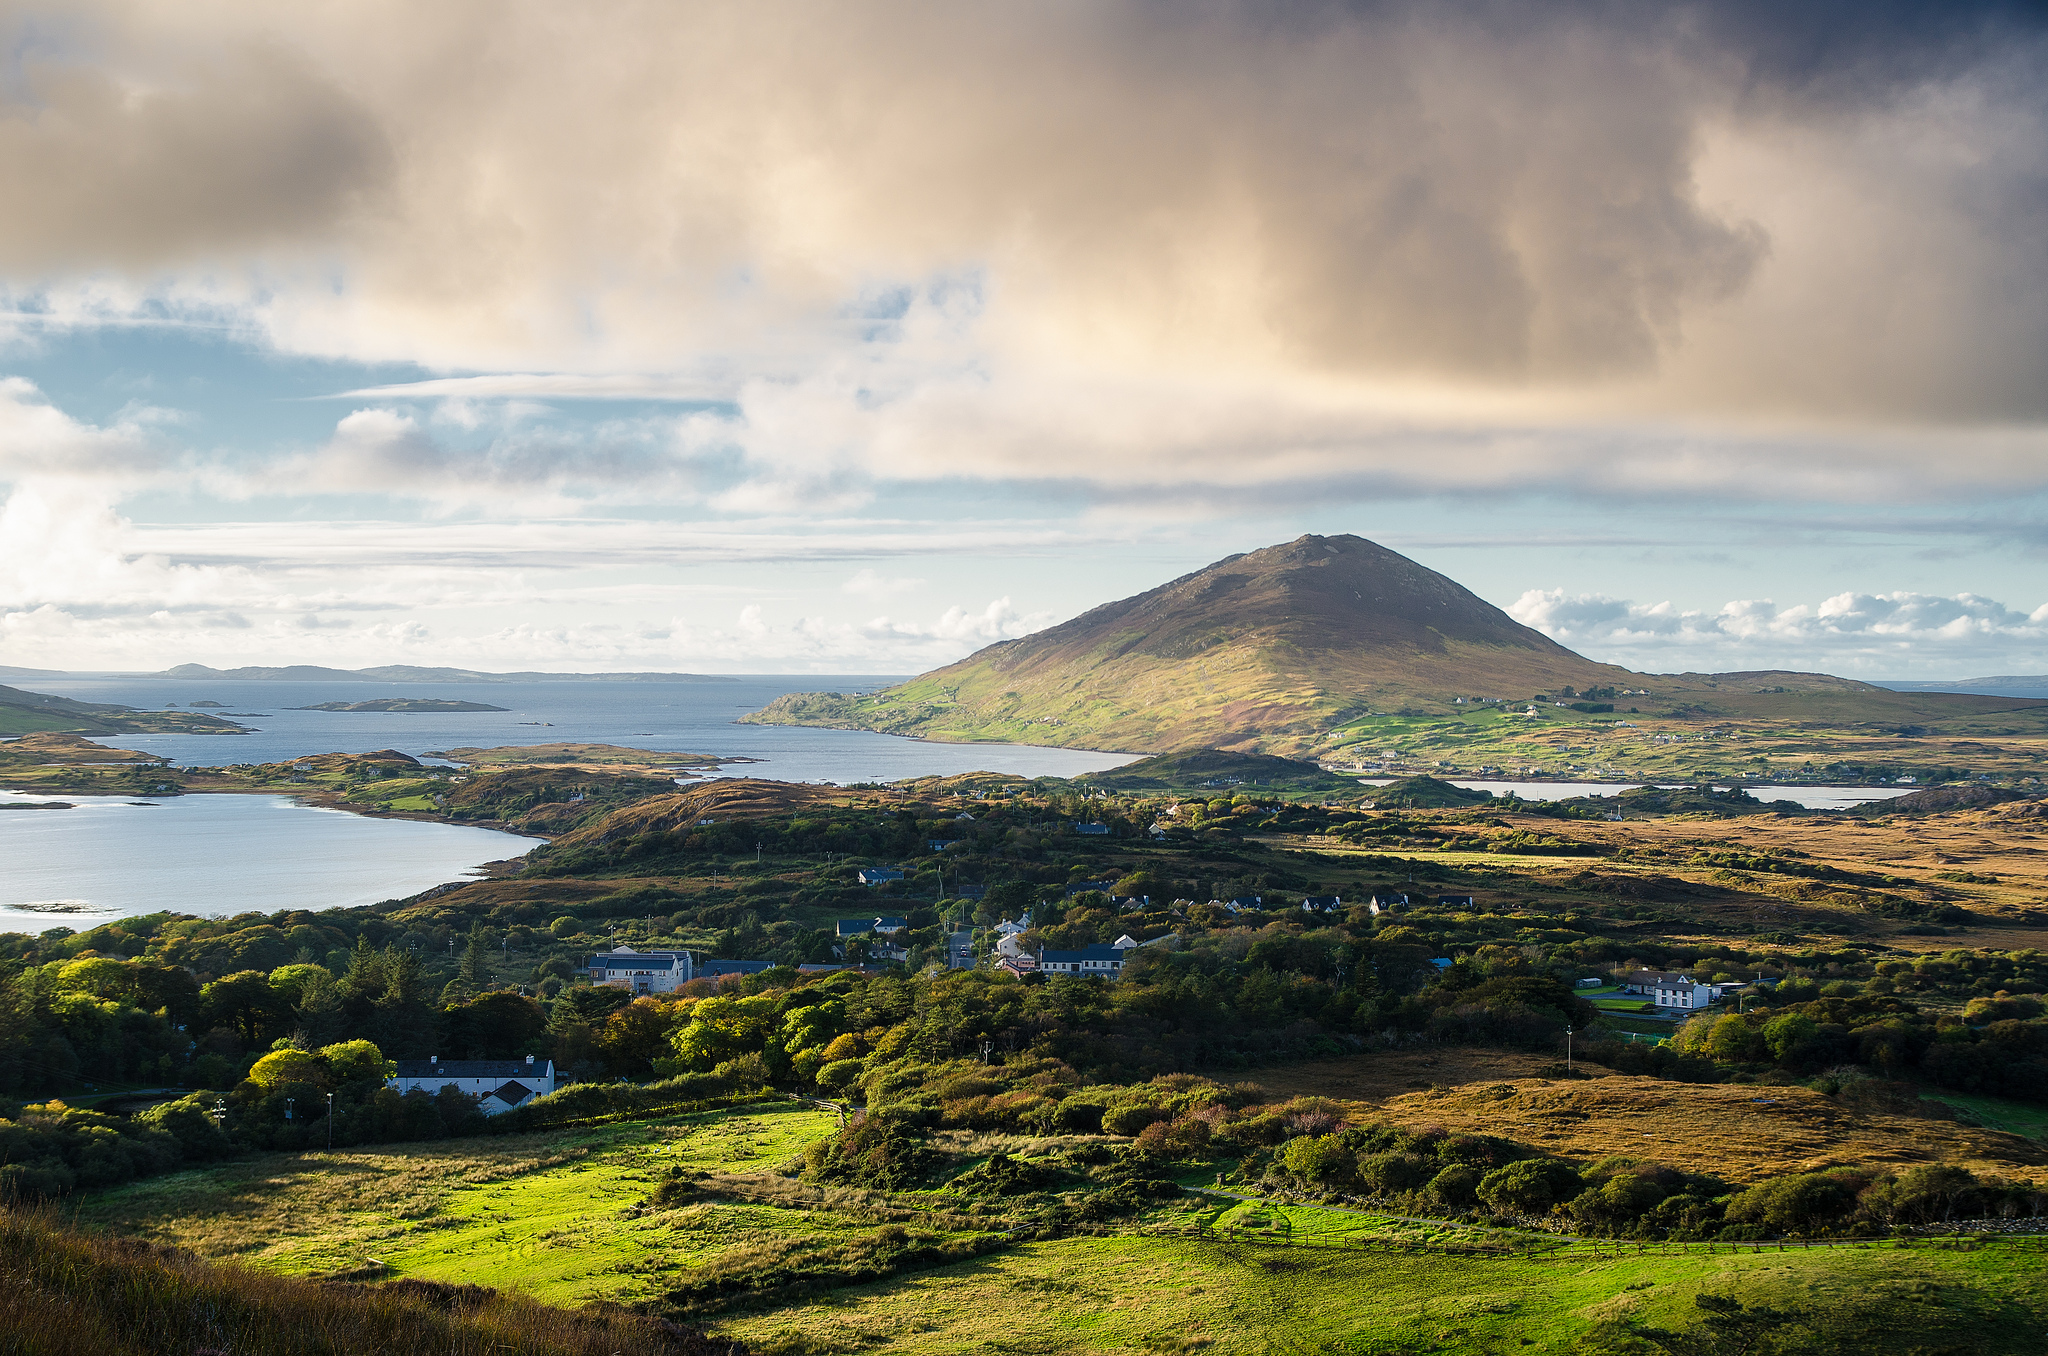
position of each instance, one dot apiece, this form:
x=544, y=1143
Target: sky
x=818, y=338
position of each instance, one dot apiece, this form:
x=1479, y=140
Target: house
x=1082, y=887
x=1322, y=904
x=1008, y=929
x=712, y=969
x=1158, y=831
x=497, y=1084
x=1019, y=966
x=1124, y=943
x=969, y=891
x=858, y=927
x=1131, y=903
x=1092, y=830
x=879, y=875
x=642, y=971
x=1442, y=962
x=1669, y=989
x=941, y=844
x=1380, y=904
x=1104, y=961
x=1247, y=904
x=1454, y=901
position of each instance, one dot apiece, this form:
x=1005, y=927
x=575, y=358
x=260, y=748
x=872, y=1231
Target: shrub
x=1388, y=1174
x=1456, y=1186
x=1130, y=1120
x=1529, y=1187
x=1317, y=1158
x=1807, y=1203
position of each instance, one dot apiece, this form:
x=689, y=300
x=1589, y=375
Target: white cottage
x=497, y=1084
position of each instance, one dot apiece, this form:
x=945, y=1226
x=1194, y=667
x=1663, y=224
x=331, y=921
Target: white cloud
x=1897, y=634
x=1171, y=251
x=869, y=584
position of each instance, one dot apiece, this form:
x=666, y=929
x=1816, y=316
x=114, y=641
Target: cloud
x=868, y=584
x=1890, y=634
x=1388, y=234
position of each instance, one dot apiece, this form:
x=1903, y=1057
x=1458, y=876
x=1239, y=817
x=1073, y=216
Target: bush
x=1808, y=1203
x=1530, y=1187
x=1457, y=1186
x=1130, y=1120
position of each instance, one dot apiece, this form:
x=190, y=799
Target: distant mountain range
x=407, y=673
x=2010, y=685
x=1275, y=650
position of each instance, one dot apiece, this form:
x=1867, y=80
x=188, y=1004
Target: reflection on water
x=217, y=855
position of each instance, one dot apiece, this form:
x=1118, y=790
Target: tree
x=494, y=1026
x=1529, y=1187
x=722, y=1028
x=1807, y=1203
x=349, y=1061
x=280, y=1067
x=637, y=1034
x=245, y=1004
x=474, y=973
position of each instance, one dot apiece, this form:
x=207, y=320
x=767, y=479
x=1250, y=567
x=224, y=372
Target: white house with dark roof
x=497, y=1084
x=1669, y=989
x=1322, y=904
x=879, y=875
x=642, y=971
x=1104, y=961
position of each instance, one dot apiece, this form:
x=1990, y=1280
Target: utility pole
x=1567, y=1048
x=330, y=1122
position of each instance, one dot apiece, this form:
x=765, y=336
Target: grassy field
x=1133, y=1294
x=564, y=1218
x=547, y=1213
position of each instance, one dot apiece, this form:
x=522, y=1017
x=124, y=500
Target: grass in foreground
x=64, y=1294
x=549, y=1213
x=1133, y=1294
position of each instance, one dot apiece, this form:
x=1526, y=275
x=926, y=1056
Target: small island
x=402, y=704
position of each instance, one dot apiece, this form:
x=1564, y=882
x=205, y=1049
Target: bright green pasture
x=1995, y=1113
x=1132, y=1294
x=554, y=1214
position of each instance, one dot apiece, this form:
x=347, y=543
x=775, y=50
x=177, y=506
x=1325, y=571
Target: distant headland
x=407, y=673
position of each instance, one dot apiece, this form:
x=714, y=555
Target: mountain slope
x=1264, y=651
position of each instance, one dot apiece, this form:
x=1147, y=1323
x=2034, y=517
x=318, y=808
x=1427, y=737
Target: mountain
x=407, y=673
x=1265, y=651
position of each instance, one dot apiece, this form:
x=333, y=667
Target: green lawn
x=1995, y=1113
x=1133, y=1294
x=546, y=1213
x=563, y=1216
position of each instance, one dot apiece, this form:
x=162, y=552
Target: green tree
x=1528, y=1187
x=280, y=1067
x=245, y=1004
x=725, y=1028
x=349, y=1061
